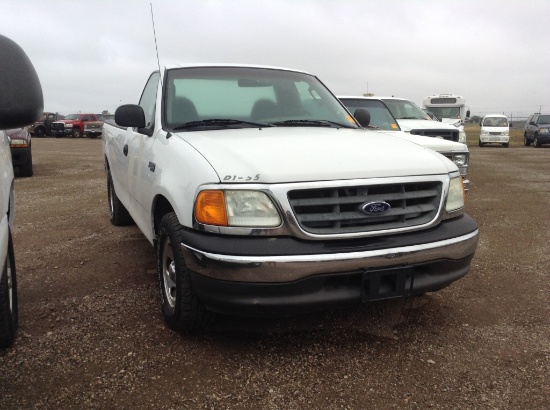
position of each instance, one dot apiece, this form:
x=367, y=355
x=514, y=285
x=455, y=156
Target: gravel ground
x=91, y=333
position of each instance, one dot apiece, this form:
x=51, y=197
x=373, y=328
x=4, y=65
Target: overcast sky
x=96, y=55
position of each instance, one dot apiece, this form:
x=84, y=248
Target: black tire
x=26, y=170
x=505, y=145
x=526, y=140
x=76, y=133
x=9, y=317
x=481, y=143
x=181, y=307
x=118, y=214
x=536, y=142
x=39, y=132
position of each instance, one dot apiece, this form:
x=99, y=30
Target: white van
x=495, y=128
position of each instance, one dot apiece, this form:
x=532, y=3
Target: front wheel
x=40, y=132
x=536, y=142
x=481, y=143
x=181, y=307
x=8, y=299
x=76, y=133
x=505, y=145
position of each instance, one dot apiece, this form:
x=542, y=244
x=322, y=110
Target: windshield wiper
x=409, y=118
x=218, y=122
x=310, y=123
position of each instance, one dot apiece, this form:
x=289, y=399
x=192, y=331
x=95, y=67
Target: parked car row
x=72, y=125
x=495, y=129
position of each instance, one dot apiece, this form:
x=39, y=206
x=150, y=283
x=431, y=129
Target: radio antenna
x=155, y=36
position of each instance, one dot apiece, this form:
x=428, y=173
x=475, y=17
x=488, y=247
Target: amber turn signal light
x=210, y=208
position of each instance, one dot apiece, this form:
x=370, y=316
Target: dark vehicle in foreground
x=93, y=129
x=537, y=130
x=72, y=125
x=43, y=127
x=17, y=109
x=21, y=153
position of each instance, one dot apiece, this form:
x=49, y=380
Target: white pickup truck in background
x=263, y=196
x=382, y=120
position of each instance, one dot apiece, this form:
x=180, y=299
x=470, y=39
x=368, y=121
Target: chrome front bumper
x=280, y=269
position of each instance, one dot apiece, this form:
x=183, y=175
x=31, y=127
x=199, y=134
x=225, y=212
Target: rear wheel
x=8, y=299
x=526, y=140
x=26, y=170
x=118, y=214
x=181, y=307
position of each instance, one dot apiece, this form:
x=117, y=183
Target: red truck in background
x=72, y=125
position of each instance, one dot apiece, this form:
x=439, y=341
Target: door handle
x=125, y=150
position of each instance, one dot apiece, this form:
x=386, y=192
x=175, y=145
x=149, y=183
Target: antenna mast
x=155, y=36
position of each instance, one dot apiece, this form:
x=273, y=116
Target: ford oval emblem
x=375, y=207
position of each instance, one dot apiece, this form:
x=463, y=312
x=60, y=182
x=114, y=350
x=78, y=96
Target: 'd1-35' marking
x=238, y=178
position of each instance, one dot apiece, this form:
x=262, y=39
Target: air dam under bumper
x=289, y=284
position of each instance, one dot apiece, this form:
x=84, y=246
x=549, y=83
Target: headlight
x=460, y=159
x=68, y=125
x=545, y=130
x=462, y=136
x=236, y=208
x=483, y=132
x=505, y=133
x=455, y=199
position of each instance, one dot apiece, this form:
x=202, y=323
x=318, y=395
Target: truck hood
x=453, y=121
x=437, y=144
x=407, y=125
x=283, y=154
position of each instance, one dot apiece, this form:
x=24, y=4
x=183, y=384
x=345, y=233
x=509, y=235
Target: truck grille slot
x=329, y=211
x=445, y=134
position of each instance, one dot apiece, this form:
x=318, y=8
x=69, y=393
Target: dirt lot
x=91, y=334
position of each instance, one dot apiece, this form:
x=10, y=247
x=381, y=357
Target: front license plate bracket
x=387, y=283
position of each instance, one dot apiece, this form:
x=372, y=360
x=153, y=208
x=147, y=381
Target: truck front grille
x=57, y=126
x=328, y=211
x=450, y=135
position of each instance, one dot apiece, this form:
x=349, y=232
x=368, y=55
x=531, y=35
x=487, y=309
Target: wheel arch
x=161, y=206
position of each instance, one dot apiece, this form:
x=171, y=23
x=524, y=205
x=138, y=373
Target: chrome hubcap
x=169, y=273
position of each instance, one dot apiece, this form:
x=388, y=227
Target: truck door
x=141, y=167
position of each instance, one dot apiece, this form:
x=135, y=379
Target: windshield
x=495, y=122
x=380, y=116
x=214, y=97
x=544, y=119
x=405, y=110
x=72, y=117
x=445, y=112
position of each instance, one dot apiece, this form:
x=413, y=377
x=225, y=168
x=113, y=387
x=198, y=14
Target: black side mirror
x=362, y=115
x=21, y=99
x=468, y=114
x=130, y=115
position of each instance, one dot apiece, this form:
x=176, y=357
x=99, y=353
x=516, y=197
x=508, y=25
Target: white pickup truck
x=263, y=196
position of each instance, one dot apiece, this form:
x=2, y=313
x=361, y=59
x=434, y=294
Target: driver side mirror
x=362, y=115
x=21, y=99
